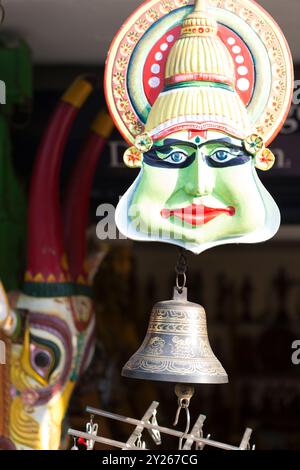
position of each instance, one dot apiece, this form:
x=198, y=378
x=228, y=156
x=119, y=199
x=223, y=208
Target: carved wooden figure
x=49, y=326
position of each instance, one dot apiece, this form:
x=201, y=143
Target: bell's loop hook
x=184, y=394
x=179, y=286
x=181, y=269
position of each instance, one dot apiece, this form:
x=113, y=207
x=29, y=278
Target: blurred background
x=251, y=293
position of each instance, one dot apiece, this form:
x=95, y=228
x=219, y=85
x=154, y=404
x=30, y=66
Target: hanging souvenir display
x=199, y=92
x=199, y=89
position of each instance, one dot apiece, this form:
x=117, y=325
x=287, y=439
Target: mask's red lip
x=197, y=214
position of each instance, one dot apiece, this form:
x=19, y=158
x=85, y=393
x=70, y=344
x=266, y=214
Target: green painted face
x=197, y=191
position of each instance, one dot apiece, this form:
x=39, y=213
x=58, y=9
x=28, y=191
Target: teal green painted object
x=12, y=216
x=16, y=74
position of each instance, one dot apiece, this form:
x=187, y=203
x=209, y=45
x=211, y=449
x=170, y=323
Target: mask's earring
x=264, y=158
x=133, y=158
x=254, y=144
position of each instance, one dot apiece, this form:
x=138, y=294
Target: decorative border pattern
x=262, y=24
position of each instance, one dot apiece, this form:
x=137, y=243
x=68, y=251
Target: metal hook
x=182, y=405
x=188, y=425
x=91, y=428
x=139, y=443
x=156, y=436
x=184, y=394
x=74, y=447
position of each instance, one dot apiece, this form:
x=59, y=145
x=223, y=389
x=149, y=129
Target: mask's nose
x=201, y=178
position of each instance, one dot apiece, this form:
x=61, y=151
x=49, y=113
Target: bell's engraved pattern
x=167, y=328
x=181, y=368
x=179, y=315
x=156, y=346
x=182, y=347
x=170, y=321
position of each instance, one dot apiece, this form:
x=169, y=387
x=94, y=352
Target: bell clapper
x=184, y=394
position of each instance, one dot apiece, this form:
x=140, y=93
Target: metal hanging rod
x=102, y=440
x=164, y=430
x=246, y=439
x=139, y=429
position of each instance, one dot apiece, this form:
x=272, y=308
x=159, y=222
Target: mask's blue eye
x=176, y=158
x=224, y=156
x=221, y=155
x=227, y=157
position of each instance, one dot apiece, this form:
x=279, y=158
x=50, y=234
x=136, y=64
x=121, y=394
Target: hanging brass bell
x=176, y=347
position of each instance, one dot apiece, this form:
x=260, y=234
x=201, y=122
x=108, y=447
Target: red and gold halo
x=137, y=58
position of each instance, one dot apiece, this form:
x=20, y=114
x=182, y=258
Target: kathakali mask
x=199, y=91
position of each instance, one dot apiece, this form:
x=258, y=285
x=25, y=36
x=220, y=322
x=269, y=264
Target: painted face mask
x=205, y=118
x=48, y=328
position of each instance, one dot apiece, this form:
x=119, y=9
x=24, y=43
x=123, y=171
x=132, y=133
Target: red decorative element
x=152, y=93
x=76, y=205
x=197, y=215
x=45, y=244
x=82, y=311
x=203, y=77
x=224, y=33
x=196, y=126
x=193, y=134
x=82, y=442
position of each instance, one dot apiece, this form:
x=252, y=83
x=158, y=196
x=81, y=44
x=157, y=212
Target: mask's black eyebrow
x=227, y=142
x=169, y=143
